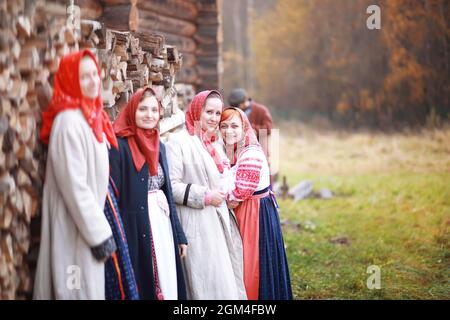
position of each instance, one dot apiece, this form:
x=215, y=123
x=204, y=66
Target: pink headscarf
x=193, y=116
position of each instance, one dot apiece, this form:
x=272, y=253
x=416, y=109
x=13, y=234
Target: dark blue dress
x=274, y=279
x=133, y=205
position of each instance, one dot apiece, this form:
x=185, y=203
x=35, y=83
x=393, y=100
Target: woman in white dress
x=214, y=266
x=76, y=237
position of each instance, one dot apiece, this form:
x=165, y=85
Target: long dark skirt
x=274, y=281
x=120, y=283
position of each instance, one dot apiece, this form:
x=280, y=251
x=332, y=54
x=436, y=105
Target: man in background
x=258, y=115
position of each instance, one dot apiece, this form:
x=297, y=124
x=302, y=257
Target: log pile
x=193, y=26
x=132, y=60
x=35, y=34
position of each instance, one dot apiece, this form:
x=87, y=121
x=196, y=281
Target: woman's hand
x=216, y=197
x=231, y=204
x=183, y=250
x=103, y=251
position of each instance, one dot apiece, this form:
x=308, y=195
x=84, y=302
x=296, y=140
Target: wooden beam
x=180, y=9
x=188, y=75
x=189, y=60
x=149, y=41
x=207, y=71
x=156, y=22
x=184, y=44
x=208, y=18
x=121, y=17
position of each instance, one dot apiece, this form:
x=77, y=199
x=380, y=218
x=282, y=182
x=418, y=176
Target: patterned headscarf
x=193, y=125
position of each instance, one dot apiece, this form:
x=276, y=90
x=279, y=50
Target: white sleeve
x=196, y=193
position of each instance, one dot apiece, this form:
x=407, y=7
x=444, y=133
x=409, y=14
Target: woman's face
x=89, y=78
x=147, y=113
x=210, y=116
x=231, y=130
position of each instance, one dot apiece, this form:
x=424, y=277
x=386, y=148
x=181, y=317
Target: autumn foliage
x=317, y=57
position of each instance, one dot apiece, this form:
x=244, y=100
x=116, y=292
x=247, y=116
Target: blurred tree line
x=308, y=58
x=238, y=58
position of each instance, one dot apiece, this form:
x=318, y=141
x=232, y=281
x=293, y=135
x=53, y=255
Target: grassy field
x=391, y=209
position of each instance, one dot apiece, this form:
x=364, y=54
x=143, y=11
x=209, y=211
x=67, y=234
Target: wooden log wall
x=209, y=45
x=34, y=36
x=193, y=26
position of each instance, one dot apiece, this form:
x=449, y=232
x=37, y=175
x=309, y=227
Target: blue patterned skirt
x=120, y=283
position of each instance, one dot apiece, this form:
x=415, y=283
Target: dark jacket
x=260, y=118
x=133, y=205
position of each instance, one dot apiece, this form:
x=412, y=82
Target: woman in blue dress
x=139, y=170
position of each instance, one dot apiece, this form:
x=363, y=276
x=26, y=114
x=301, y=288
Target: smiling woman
x=147, y=113
x=231, y=127
x=266, y=272
x=75, y=231
x=213, y=266
x=89, y=78
x=139, y=170
x=210, y=116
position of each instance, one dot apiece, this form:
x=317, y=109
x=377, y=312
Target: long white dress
x=213, y=267
x=73, y=220
x=159, y=215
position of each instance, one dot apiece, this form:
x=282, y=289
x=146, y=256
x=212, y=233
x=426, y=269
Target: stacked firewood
x=31, y=45
x=130, y=57
x=173, y=19
x=193, y=26
x=35, y=34
x=131, y=60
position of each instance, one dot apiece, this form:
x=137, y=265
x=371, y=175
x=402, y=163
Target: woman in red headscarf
x=266, y=272
x=214, y=265
x=139, y=170
x=76, y=238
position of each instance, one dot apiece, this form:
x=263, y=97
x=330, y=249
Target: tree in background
x=238, y=16
x=419, y=76
x=317, y=57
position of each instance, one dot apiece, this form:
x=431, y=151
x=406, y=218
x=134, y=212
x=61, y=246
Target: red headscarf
x=67, y=95
x=194, y=127
x=249, y=138
x=144, y=143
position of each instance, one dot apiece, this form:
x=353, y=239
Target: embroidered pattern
x=156, y=182
x=248, y=173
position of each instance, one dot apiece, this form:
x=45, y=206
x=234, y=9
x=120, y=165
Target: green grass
x=397, y=218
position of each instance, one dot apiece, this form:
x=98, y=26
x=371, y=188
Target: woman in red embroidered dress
x=266, y=273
